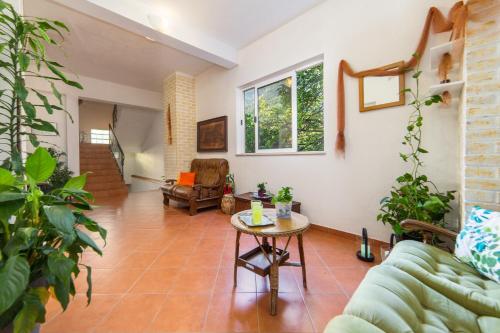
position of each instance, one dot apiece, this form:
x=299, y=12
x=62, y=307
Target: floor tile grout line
x=169, y=292
x=105, y=317
x=213, y=287
x=302, y=294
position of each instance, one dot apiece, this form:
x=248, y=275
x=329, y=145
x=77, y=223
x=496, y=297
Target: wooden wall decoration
x=455, y=22
x=169, y=125
x=212, y=135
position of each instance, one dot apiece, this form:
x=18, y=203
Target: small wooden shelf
x=437, y=52
x=452, y=87
x=255, y=260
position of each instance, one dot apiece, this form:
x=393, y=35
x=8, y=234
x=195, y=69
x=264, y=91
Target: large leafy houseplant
x=414, y=196
x=42, y=235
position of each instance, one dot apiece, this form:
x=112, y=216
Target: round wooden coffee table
x=266, y=259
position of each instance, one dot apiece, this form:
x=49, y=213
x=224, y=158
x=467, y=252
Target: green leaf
x=56, y=92
x=61, y=267
x=434, y=205
x=33, y=139
x=57, y=72
x=76, y=183
x=11, y=196
x=89, y=284
x=89, y=241
x=74, y=84
x=33, y=310
x=24, y=61
x=62, y=218
x=44, y=35
x=61, y=25
x=14, y=278
x=23, y=239
x=29, y=109
x=20, y=89
x=43, y=126
x=45, y=102
x=6, y=177
x=422, y=150
x=40, y=165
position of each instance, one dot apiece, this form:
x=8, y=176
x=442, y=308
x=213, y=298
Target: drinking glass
x=257, y=210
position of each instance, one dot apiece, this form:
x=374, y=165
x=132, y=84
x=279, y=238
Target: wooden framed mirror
x=379, y=92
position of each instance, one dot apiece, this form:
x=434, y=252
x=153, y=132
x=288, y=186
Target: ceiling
x=234, y=22
x=100, y=50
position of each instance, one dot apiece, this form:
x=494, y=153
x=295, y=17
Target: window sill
x=284, y=153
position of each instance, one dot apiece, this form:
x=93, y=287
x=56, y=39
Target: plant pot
x=283, y=210
x=227, y=204
x=261, y=193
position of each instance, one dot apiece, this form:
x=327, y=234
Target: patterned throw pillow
x=478, y=244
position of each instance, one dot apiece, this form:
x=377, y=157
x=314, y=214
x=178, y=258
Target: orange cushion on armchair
x=186, y=178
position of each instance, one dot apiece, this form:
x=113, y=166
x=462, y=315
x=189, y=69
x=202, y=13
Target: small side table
x=266, y=259
x=243, y=202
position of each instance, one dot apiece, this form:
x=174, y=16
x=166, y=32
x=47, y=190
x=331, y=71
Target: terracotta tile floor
x=164, y=271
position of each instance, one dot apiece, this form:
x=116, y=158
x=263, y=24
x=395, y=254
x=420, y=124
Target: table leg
x=274, y=279
x=236, y=255
x=302, y=260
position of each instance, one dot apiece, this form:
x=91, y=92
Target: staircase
x=105, y=179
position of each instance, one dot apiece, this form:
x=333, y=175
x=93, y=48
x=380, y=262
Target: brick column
x=481, y=183
x=179, y=93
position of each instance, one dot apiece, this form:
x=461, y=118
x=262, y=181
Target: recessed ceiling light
x=157, y=22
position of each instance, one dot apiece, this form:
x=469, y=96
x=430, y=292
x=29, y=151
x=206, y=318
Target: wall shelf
x=437, y=52
x=452, y=87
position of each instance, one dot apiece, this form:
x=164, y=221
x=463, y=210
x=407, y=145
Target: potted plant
x=414, y=196
x=261, y=189
x=283, y=202
x=42, y=235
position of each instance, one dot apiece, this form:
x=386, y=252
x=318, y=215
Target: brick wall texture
x=179, y=93
x=482, y=106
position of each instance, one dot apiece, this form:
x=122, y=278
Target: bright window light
x=98, y=136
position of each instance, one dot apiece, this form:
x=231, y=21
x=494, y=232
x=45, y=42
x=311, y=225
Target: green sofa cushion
x=351, y=324
x=447, y=275
x=397, y=302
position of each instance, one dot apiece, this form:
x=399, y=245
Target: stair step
x=104, y=178
x=98, y=166
x=96, y=154
x=110, y=193
x=100, y=172
x=97, y=160
x=104, y=186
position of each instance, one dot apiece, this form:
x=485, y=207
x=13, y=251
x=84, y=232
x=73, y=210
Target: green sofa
x=422, y=289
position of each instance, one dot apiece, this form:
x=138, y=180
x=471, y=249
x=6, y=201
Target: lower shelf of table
x=255, y=260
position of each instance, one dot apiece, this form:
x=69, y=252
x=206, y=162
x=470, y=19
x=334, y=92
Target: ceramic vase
x=283, y=210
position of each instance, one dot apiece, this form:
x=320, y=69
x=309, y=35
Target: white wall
x=97, y=90
x=95, y=115
x=340, y=193
x=149, y=161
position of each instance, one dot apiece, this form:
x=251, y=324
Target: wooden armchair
x=429, y=230
x=207, y=190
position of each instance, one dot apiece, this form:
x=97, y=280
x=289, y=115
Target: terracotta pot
x=227, y=204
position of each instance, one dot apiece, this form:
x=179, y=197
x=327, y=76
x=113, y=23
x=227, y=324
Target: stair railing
x=116, y=149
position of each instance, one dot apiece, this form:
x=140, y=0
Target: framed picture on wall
x=212, y=135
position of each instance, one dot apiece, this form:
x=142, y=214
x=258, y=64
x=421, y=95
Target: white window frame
x=262, y=83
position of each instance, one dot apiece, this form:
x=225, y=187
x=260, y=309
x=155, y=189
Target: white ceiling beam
x=135, y=19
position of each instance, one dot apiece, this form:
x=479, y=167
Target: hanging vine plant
x=415, y=196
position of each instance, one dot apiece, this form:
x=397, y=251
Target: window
x=284, y=114
x=99, y=136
